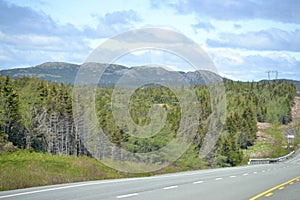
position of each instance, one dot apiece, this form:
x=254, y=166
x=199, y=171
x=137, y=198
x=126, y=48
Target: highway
x=270, y=181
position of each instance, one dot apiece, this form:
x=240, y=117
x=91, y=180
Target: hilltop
x=61, y=72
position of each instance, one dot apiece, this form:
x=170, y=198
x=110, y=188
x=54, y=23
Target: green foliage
x=228, y=150
x=38, y=115
x=22, y=169
x=10, y=118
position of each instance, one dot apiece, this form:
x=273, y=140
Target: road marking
x=281, y=188
x=232, y=176
x=49, y=189
x=274, y=188
x=197, y=182
x=170, y=187
x=245, y=174
x=218, y=179
x=263, y=171
x=269, y=194
x=118, y=181
x=254, y=172
x=127, y=195
x=70, y=186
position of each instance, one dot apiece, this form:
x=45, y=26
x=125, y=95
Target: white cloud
x=29, y=37
x=228, y=76
x=203, y=25
x=271, y=39
x=222, y=56
x=237, y=65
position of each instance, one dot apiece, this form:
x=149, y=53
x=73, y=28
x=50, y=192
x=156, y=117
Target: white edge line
x=197, y=182
x=232, y=176
x=63, y=187
x=127, y=195
x=218, y=179
x=170, y=187
x=46, y=190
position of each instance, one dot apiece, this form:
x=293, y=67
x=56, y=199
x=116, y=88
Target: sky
x=245, y=39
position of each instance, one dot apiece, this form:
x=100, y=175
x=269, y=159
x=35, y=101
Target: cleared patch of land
x=295, y=110
x=271, y=141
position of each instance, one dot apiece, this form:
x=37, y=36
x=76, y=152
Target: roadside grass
x=22, y=169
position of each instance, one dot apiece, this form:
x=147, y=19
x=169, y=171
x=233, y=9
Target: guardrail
x=255, y=161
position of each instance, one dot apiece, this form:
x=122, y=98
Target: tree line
x=38, y=115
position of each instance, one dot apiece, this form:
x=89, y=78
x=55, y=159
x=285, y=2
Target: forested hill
x=38, y=115
x=61, y=72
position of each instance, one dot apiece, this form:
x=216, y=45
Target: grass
x=24, y=168
x=21, y=169
x=274, y=147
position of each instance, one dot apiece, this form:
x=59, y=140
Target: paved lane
x=226, y=183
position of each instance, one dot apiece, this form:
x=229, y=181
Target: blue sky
x=244, y=38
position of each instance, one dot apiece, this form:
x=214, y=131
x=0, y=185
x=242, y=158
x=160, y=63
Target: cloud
x=271, y=39
x=28, y=37
x=237, y=26
x=23, y=20
x=233, y=63
x=203, y=25
x=121, y=17
x=276, y=10
x=112, y=23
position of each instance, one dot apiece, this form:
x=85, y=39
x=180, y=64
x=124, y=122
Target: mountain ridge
x=64, y=72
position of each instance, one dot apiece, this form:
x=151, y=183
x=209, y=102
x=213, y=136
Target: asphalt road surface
x=271, y=181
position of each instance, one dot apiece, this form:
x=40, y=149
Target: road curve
x=246, y=182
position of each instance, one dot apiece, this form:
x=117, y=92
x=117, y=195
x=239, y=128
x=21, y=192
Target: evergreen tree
x=11, y=118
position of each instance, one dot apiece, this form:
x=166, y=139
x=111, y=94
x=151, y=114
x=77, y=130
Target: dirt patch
x=259, y=154
x=263, y=126
x=264, y=137
x=296, y=108
x=260, y=135
x=295, y=111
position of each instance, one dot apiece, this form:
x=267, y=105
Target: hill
x=50, y=71
x=61, y=72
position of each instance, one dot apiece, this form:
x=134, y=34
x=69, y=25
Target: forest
x=38, y=115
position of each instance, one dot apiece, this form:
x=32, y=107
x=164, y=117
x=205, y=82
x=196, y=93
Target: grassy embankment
x=271, y=143
x=24, y=168
x=21, y=168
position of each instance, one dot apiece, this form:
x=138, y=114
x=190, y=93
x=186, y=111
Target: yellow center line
x=269, y=194
x=274, y=188
x=281, y=188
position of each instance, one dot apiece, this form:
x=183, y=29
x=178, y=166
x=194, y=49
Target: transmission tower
x=272, y=72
